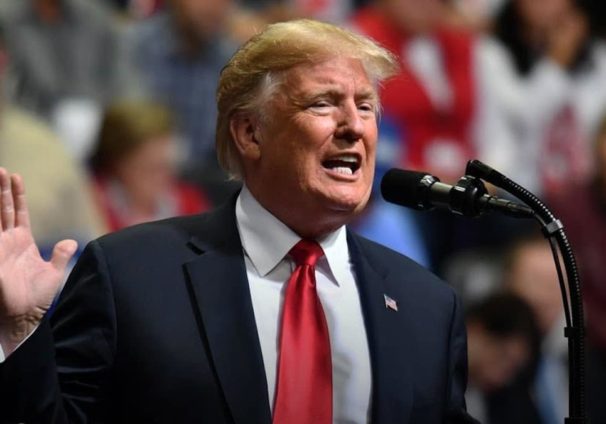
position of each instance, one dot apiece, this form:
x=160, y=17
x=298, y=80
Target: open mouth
x=346, y=164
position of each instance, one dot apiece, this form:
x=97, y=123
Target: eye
x=320, y=107
x=366, y=107
x=320, y=104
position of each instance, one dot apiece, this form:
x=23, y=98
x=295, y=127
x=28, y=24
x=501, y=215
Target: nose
x=350, y=125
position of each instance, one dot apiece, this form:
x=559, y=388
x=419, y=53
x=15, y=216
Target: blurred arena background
x=108, y=112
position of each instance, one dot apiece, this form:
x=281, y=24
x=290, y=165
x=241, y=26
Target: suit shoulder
x=215, y=229
x=157, y=233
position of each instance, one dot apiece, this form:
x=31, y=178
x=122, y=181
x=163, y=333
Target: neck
x=305, y=223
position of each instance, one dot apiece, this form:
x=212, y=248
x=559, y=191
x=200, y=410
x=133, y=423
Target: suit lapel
x=219, y=289
x=386, y=330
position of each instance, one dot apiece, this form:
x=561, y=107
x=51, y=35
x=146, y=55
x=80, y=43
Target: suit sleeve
x=457, y=369
x=61, y=373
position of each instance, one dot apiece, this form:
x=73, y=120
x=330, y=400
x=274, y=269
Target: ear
x=245, y=133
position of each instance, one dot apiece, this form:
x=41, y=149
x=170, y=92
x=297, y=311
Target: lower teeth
x=343, y=170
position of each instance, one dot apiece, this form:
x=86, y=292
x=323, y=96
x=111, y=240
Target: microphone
x=468, y=197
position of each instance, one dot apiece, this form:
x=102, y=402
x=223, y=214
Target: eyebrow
x=370, y=95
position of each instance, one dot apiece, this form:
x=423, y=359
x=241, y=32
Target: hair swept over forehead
x=280, y=47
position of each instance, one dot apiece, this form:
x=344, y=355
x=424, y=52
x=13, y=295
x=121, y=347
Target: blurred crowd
x=108, y=112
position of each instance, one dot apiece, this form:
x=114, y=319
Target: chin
x=348, y=203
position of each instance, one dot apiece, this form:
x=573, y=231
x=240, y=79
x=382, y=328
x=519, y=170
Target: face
x=540, y=15
x=202, y=18
x=534, y=278
x=316, y=149
x=147, y=172
x=494, y=361
x=413, y=15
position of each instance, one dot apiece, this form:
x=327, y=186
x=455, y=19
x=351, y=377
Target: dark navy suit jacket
x=156, y=325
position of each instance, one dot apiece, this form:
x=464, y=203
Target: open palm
x=28, y=283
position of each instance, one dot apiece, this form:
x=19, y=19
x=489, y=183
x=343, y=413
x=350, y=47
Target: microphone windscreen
x=404, y=188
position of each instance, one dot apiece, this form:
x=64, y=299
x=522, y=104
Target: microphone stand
x=573, y=310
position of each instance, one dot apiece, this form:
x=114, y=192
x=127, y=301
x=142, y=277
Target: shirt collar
x=266, y=240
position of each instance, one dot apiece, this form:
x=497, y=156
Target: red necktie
x=304, y=386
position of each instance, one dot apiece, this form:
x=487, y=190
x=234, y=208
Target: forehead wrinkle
x=370, y=95
x=335, y=91
x=302, y=84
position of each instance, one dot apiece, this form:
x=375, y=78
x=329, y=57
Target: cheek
x=314, y=131
x=280, y=164
x=300, y=147
x=370, y=145
x=145, y=174
x=126, y=171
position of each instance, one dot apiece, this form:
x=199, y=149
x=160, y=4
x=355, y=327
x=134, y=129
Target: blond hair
x=250, y=75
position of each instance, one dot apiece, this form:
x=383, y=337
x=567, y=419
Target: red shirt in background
x=431, y=133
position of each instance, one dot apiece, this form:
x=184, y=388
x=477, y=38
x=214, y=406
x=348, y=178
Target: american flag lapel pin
x=390, y=303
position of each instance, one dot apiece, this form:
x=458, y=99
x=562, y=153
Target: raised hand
x=28, y=283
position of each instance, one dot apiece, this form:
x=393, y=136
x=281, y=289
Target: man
x=530, y=274
x=179, y=54
x=192, y=319
x=502, y=338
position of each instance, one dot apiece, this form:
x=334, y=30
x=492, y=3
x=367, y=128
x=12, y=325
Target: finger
x=21, y=211
x=62, y=253
x=7, y=208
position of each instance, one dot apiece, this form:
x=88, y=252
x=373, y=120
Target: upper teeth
x=347, y=158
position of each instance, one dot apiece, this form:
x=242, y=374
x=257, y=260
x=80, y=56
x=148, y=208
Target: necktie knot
x=306, y=252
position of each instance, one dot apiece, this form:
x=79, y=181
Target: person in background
x=64, y=50
x=336, y=11
x=581, y=206
x=502, y=339
x=137, y=9
x=530, y=273
x=546, y=67
x=134, y=163
x=433, y=96
x=446, y=114
x=179, y=54
x=476, y=15
x=60, y=197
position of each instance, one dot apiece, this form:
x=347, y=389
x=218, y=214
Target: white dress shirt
x=266, y=242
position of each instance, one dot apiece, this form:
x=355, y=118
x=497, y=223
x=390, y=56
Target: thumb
x=62, y=253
